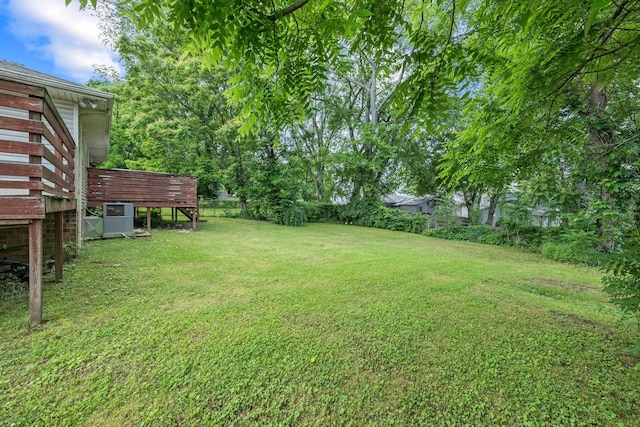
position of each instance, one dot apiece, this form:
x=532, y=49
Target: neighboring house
x=392, y=200
x=540, y=216
x=417, y=205
x=50, y=129
x=411, y=204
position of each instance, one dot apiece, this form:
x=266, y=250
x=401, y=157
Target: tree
x=171, y=115
x=293, y=45
x=526, y=56
x=316, y=140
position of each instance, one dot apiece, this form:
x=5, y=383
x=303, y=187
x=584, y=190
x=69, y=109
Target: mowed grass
x=249, y=323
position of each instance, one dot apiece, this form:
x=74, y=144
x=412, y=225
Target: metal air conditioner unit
x=118, y=219
x=93, y=227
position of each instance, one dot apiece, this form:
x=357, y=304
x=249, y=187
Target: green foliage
x=359, y=212
x=292, y=215
x=473, y=233
x=320, y=212
x=12, y=287
x=70, y=250
x=371, y=214
x=559, y=244
x=572, y=252
x=219, y=204
x=273, y=192
x=140, y=220
x=622, y=282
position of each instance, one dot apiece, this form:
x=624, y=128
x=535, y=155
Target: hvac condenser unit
x=93, y=227
x=118, y=219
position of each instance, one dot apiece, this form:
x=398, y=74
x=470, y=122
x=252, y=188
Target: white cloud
x=68, y=37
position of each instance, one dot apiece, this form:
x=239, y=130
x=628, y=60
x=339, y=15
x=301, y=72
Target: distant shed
x=415, y=205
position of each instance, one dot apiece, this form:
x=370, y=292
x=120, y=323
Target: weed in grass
x=12, y=285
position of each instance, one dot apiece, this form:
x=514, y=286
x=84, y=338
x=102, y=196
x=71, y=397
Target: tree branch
x=287, y=10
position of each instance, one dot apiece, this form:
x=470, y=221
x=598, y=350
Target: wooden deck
x=36, y=174
x=143, y=189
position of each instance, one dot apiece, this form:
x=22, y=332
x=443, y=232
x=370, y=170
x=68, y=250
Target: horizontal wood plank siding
x=36, y=153
x=22, y=207
x=20, y=103
x=9, y=86
x=149, y=189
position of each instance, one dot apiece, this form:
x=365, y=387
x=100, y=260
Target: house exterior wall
x=14, y=240
x=410, y=209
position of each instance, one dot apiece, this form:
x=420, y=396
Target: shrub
x=13, y=284
x=572, y=252
x=372, y=214
x=475, y=233
x=622, y=283
x=293, y=215
x=320, y=211
x=571, y=245
x=360, y=212
x=156, y=218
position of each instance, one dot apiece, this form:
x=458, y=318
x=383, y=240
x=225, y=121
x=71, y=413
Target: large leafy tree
x=528, y=57
x=559, y=74
x=293, y=45
x=171, y=114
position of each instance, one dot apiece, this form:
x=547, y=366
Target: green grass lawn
x=250, y=323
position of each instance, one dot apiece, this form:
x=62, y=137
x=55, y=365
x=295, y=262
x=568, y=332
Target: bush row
x=559, y=244
x=367, y=214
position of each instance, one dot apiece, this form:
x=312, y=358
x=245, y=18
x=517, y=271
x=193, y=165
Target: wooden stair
x=189, y=213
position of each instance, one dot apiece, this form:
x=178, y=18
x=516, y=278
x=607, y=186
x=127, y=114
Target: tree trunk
x=470, y=202
x=493, y=203
x=601, y=142
x=320, y=183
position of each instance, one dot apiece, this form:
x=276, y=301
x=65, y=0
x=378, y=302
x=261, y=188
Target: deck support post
x=59, y=229
x=194, y=219
x=148, y=219
x=35, y=272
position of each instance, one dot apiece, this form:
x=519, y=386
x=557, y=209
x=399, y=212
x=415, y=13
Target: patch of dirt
x=629, y=361
x=563, y=285
x=573, y=318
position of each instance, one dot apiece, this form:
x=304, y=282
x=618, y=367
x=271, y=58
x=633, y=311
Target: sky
x=46, y=36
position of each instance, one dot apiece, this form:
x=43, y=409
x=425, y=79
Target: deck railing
x=36, y=152
x=143, y=189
